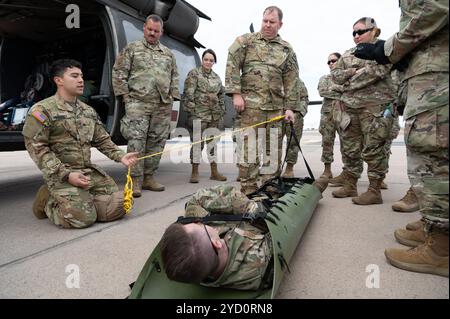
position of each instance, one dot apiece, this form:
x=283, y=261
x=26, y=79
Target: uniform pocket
x=133, y=129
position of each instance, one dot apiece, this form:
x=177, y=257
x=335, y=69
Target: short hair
x=185, y=256
x=336, y=54
x=58, y=67
x=272, y=8
x=369, y=23
x=155, y=18
x=210, y=51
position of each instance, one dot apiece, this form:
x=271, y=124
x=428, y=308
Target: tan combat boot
x=408, y=203
x=194, y=174
x=430, y=257
x=411, y=238
x=289, y=171
x=137, y=191
x=338, y=180
x=415, y=225
x=215, y=175
x=327, y=171
x=40, y=201
x=321, y=183
x=152, y=185
x=372, y=195
x=348, y=189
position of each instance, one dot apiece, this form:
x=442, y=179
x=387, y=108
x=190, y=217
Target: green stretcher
x=289, y=217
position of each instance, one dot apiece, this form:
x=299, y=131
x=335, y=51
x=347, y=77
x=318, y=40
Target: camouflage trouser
x=249, y=155
x=211, y=145
x=392, y=136
x=426, y=138
x=292, y=153
x=146, y=126
x=328, y=129
x=365, y=139
x=74, y=207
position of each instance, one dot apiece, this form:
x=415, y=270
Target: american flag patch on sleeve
x=39, y=116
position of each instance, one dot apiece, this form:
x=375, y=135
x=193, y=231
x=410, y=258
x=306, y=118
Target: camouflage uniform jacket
x=326, y=90
x=249, y=249
x=264, y=71
x=302, y=94
x=59, y=138
x=370, y=86
x=204, y=95
x=423, y=40
x=146, y=72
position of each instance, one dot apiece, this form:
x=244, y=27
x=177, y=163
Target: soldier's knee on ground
x=72, y=214
x=109, y=207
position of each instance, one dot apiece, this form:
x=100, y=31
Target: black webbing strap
x=216, y=218
x=297, y=142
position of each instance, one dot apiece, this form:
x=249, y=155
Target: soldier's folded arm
x=371, y=73
x=430, y=16
x=340, y=75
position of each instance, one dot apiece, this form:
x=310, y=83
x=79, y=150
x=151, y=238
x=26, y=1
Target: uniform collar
x=276, y=39
x=63, y=105
x=151, y=46
x=206, y=72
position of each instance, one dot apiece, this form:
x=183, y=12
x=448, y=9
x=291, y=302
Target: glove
x=372, y=51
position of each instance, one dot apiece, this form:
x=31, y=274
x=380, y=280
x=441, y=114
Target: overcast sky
x=314, y=28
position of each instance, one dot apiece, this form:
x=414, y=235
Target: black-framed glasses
x=214, y=247
x=361, y=32
x=331, y=61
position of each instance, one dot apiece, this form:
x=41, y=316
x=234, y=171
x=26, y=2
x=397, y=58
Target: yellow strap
x=128, y=191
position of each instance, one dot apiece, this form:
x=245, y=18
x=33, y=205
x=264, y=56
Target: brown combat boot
x=430, y=257
x=408, y=203
x=327, y=171
x=289, y=171
x=194, y=174
x=338, y=180
x=152, y=185
x=415, y=225
x=348, y=189
x=40, y=201
x=137, y=191
x=411, y=238
x=215, y=175
x=321, y=183
x=372, y=195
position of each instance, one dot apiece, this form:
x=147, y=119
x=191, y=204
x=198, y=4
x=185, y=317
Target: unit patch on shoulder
x=39, y=116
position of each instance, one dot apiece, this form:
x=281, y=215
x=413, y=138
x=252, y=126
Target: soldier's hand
x=372, y=51
x=130, y=159
x=78, y=180
x=289, y=116
x=238, y=102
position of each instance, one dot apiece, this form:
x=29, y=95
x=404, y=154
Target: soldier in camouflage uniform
x=261, y=75
x=367, y=90
x=203, y=99
x=328, y=126
x=59, y=133
x=299, y=113
x=422, y=44
x=145, y=74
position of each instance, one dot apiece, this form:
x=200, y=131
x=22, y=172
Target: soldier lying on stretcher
x=230, y=254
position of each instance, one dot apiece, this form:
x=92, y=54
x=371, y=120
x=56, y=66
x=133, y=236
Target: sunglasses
x=214, y=247
x=361, y=32
x=331, y=61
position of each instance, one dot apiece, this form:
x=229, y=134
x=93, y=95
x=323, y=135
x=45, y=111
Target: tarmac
x=340, y=256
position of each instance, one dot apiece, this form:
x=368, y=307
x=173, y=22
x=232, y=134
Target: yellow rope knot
x=128, y=190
